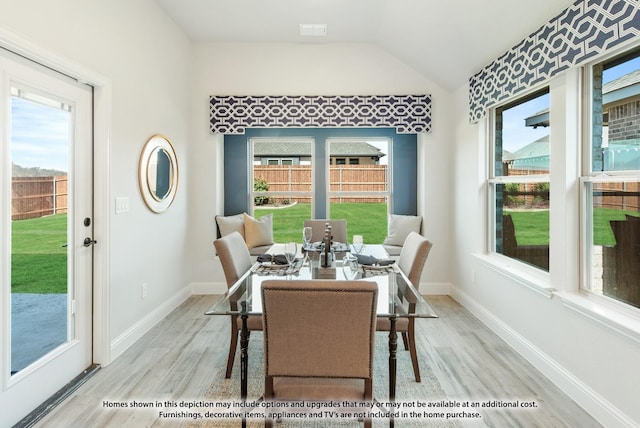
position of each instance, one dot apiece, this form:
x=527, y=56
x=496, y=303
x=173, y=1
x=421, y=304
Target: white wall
x=146, y=61
x=596, y=363
x=310, y=69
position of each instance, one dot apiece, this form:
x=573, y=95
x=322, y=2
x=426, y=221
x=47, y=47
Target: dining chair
x=338, y=229
x=413, y=256
x=312, y=361
x=236, y=261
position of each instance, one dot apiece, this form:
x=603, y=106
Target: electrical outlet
x=144, y=290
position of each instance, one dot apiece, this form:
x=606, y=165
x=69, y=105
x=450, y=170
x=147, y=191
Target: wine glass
x=358, y=243
x=350, y=266
x=307, y=233
x=290, y=251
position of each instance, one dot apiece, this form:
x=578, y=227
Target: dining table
x=397, y=296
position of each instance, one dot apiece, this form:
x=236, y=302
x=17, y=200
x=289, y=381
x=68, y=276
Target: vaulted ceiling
x=446, y=40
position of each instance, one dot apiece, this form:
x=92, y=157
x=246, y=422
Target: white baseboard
x=595, y=404
x=139, y=329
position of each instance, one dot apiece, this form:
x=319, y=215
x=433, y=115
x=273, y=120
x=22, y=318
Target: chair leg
x=268, y=396
x=412, y=349
x=233, y=344
x=405, y=340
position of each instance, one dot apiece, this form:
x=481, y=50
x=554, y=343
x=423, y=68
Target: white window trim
x=534, y=278
x=521, y=273
x=610, y=313
x=610, y=316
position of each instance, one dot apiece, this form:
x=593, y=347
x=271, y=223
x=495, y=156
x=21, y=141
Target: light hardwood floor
x=173, y=361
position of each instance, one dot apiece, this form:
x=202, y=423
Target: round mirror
x=158, y=173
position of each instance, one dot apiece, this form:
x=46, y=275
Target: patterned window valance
x=585, y=29
x=407, y=113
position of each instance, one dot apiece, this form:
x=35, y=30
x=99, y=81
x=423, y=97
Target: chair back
x=234, y=256
x=413, y=256
x=338, y=229
x=319, y=328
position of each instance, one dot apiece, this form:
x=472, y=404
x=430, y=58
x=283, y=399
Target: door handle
x=89, y=242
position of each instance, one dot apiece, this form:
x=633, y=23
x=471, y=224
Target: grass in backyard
x=366, y=219
x=38, y=258
x=532, y=227
x=602, y=233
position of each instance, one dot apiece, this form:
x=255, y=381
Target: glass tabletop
x=397, y=297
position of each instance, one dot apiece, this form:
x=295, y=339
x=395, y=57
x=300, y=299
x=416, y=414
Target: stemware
x=290, y=250
x=350, y=266
x=307, y=233
x=358, y=243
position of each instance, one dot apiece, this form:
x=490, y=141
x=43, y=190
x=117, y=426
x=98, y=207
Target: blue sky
x=39, y=135
x=620, y=70
x=515, y=134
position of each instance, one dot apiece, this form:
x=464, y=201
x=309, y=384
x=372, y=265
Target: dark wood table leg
x=244, y=362
x=393, y=346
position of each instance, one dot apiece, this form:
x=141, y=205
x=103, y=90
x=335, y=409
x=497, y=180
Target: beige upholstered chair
x=306, y=359
x=412, y=259
x=236, y=261
x=338, y=229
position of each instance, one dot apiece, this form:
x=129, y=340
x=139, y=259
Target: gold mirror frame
x=158, y=173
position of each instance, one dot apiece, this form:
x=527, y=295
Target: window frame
x=336, y=194
x=493, y=180
x=588, y=177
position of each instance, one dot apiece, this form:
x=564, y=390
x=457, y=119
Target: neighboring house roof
x=533, y=156
x=340, y=148
x=354, y=148
x=540, y=147
x=264, y=148
x=622, y=82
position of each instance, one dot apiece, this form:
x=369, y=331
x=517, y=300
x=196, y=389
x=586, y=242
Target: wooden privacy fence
x=620, y=196
x=33, y=197
x=343, y=178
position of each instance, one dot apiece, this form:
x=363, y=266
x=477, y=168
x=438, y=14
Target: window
x=306, y=193
x=281, y=173
x=359, y=191
x=519, y=180
x=611, y=182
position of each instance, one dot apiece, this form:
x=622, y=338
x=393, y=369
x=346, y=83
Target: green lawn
x=38, y=258
x=532, y=227
x=366, y=219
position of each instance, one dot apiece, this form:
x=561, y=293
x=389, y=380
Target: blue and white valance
x=408, y=114
x=585, y=29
